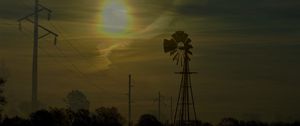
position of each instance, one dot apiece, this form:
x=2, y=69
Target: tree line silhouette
x=103, y=116
x=2, y=98
x=77, y=114
x=109, y=116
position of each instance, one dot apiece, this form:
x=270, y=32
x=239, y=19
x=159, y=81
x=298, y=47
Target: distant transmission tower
x=180, y=48
x=35, y=15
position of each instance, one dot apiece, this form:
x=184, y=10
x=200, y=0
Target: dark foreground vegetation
x=78, y=115
x=65, y=117
x=109, y=117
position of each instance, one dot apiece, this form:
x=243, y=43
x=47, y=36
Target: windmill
x=179, y=47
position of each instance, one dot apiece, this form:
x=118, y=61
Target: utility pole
x=37, y=8
x=129, y=101
x=171, y=109
x=159, y=101
x=35, y=57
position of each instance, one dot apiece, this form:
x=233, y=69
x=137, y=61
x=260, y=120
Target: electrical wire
x=75, y=68
x=78, y=52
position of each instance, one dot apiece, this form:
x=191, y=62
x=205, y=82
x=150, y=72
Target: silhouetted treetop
x=76, y=100
x=15, y=121
x=148, y=120
x=108, y=117
x=2, y=98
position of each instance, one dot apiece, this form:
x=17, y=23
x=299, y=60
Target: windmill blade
x=177, y=61
x=180, y=36
x=169, y=45
x=188, y=58
x=173, y=52
x=182, y=60
x=176, y=56
x=189, y=52
x=188, y=41
x=188, y=46
x=179, y=47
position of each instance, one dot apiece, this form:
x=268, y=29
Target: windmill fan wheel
x=179, y=47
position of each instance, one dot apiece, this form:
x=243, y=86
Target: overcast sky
x=246, y=53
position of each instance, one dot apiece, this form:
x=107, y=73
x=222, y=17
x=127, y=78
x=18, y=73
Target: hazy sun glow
x=115, y=18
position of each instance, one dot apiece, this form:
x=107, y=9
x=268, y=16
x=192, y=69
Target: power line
x=39, y=8
x=73, y=66
x=27, y=4
x=55, y=59
x=76, y=68
x=65, y=57
x=78, y=52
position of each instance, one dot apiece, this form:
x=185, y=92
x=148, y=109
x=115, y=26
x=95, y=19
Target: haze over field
x=246, y=54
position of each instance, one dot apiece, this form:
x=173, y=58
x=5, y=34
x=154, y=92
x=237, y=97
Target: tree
x=42, y=118
x=2, y=98
x=61, y=117
x=15, y=121
x=3, y=79
x=107, y=117
x=81, y=118
x=148, y=120
x=229, y=122
x=24, y=108
x=76, y=100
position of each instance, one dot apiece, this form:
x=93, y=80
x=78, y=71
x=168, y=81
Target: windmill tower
x=179, y=47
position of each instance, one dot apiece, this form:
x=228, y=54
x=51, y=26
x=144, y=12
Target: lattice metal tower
x=36, y=26
x=179, y=47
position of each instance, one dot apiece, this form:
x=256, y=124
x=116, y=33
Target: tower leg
x=185, y=114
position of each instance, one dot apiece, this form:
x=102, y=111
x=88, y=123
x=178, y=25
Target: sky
x=245, y=52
